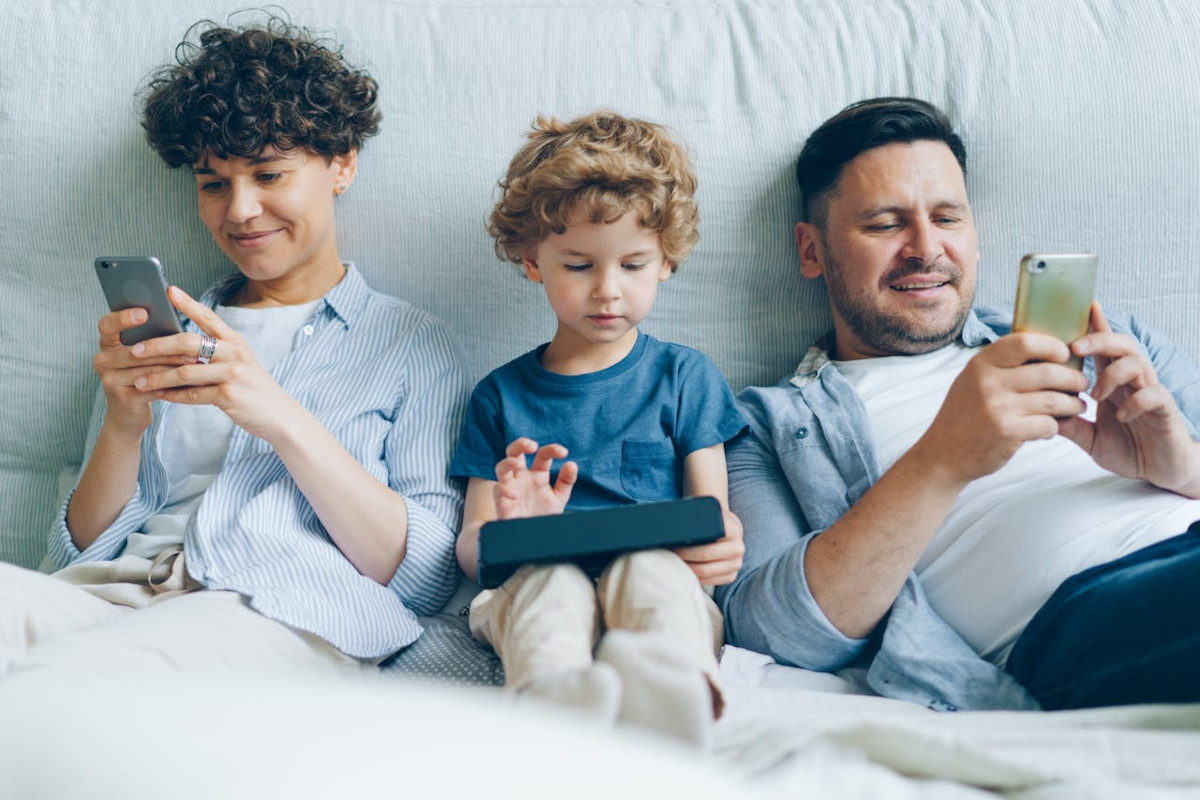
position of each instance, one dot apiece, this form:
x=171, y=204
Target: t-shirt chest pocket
x=648, y=470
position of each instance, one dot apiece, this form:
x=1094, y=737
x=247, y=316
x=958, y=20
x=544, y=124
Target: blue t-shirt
x=628, y=427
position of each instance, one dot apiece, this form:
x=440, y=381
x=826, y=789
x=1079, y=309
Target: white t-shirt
x=195, y=443
x=1013, y=536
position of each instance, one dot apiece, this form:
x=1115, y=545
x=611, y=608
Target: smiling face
x=273, y=217
x=601, y=280
x=898, y=251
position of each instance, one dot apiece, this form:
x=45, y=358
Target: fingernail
x=138, y=349
x=1083, y=347
x=139, y=315
x=140, y=383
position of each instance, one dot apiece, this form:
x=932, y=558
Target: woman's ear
x=346, y=166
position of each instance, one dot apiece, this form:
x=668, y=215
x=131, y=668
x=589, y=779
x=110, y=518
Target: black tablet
x=594, y=538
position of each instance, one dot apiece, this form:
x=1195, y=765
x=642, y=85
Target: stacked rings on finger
x=208, y=348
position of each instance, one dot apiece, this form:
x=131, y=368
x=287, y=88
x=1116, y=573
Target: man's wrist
x=1189, y=485
x=933, y=466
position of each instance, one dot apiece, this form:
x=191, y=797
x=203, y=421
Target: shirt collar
x=975, y=333
x=346, y=300
x=349, y=297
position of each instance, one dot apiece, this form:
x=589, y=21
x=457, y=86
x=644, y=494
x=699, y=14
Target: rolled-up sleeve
x=769, y=607
x=61, y=550
x=417, y=451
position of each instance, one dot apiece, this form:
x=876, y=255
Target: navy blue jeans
x=1123, y=632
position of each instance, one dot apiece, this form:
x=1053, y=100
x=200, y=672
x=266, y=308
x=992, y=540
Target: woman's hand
x=110, y=477
x=120, y=367
x=233, y=380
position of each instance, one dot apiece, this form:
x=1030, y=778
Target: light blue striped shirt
x=387, y=380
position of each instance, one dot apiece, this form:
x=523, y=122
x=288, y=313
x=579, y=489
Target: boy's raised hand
x=525, y=491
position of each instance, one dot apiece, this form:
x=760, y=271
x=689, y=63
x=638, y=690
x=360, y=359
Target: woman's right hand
x=110, y=477
x=118, y=366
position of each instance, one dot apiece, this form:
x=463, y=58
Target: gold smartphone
x=1054, y=296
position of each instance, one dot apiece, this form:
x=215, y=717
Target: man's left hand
x=1139, y=431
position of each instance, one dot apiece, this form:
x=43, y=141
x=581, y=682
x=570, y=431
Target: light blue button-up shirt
x=386, y=379
x=809, y=457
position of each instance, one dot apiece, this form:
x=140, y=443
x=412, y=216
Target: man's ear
x=531, y=268
x=812, y=253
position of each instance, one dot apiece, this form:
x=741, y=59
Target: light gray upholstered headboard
x=1080, y=116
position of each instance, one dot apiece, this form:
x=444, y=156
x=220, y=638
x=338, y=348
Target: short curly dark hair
x=234, y=92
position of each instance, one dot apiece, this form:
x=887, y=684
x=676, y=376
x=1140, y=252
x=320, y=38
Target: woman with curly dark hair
x=268, y=487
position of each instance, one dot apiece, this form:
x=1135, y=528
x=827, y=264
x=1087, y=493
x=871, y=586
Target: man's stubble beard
x=893, y=334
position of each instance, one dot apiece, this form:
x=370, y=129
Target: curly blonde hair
x=597, y=167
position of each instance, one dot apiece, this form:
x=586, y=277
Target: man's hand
x=1139, y=431
x=1014, y=391
x=522, y=491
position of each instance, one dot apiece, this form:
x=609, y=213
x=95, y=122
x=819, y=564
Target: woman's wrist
x=124, y=431
x=290, y=428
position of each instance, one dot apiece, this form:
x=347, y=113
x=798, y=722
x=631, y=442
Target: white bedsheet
x=800, y=743
x=264, y=736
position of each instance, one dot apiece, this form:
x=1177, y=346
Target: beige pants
x=135, y=616
x=547, y=620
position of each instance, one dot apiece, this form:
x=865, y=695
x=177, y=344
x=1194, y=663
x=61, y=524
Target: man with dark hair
x=930, y=494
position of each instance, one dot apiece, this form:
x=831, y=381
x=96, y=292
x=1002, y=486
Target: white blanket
x=801, y=743
x=264, y=736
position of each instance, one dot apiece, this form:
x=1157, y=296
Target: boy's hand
x=522, y=491
x=717, y=563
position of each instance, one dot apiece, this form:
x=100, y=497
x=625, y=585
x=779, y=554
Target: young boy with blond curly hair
x=600, y=210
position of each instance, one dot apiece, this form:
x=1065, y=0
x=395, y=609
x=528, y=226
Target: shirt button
x=307, y=329
x=801, y=433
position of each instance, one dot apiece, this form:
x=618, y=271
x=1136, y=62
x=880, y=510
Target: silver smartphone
x=1054, y=296
x=138, y=282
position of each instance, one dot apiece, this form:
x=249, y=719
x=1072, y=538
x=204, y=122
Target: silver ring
x=208, y=348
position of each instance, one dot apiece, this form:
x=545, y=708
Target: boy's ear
x=666, y=270
x=812, y=255
x=531, y=269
